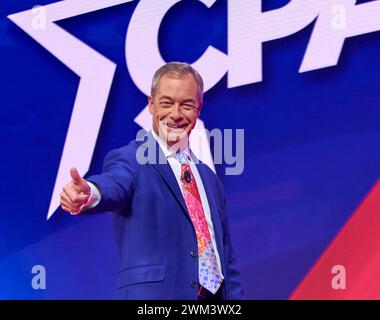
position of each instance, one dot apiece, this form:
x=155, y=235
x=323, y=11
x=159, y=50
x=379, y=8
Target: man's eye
x=165, y=104
x=188, y=106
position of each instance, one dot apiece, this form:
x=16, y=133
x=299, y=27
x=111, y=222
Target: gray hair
x=178, y=70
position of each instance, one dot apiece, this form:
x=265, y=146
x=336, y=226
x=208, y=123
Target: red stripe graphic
x=355, y=253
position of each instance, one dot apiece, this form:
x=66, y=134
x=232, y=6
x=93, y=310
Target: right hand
x=75, y=194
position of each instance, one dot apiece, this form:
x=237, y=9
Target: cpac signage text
x=248, y=29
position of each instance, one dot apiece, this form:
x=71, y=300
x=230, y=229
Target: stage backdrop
x=302, y=78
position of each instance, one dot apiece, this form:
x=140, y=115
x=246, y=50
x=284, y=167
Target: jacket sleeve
x=116, y=183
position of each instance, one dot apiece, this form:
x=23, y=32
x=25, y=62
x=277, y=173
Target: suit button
x=193, y=253
x=193, y=284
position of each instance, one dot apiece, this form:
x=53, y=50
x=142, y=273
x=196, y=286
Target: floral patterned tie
x=210, y=276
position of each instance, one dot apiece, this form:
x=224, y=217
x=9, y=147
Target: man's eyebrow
x=166, y=98
x=186, y=100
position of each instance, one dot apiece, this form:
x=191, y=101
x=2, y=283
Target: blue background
x=312, y=150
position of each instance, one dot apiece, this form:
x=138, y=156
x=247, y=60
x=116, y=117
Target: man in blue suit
x=170, y=210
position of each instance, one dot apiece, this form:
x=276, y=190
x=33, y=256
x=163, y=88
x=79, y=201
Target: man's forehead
x=174, y=76
x=166, y=81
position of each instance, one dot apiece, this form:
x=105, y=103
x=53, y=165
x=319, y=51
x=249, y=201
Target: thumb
x=78, y=180
x=81, y=184
x=75, y=175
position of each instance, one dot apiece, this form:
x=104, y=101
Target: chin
x=177, y=135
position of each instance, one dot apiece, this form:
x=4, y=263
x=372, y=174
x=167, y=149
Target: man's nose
x=176, y=113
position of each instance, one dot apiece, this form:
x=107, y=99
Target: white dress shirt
x=176, y=168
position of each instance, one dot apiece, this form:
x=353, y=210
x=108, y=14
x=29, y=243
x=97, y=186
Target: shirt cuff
x=95, y=196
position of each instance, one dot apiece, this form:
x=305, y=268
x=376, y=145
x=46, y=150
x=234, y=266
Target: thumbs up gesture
x=75, y=194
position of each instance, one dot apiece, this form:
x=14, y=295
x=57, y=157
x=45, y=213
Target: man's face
x=175, y=108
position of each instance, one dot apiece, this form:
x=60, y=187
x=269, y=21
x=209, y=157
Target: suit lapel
x=168, y=176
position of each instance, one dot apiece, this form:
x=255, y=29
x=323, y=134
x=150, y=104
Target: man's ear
x=151, y=105
x=200, y=108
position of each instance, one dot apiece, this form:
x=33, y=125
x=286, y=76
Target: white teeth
x=175, y=126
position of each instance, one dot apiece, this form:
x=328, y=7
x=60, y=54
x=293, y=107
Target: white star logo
x=96, y=74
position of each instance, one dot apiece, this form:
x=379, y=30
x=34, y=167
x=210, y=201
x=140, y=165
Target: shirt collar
x=165, y=150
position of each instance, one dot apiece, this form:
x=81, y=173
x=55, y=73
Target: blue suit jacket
x=155, y=235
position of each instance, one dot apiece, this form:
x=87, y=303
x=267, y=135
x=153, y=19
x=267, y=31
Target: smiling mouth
x=176, y=126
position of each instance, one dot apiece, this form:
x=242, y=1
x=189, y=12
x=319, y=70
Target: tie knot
x=181, y=157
